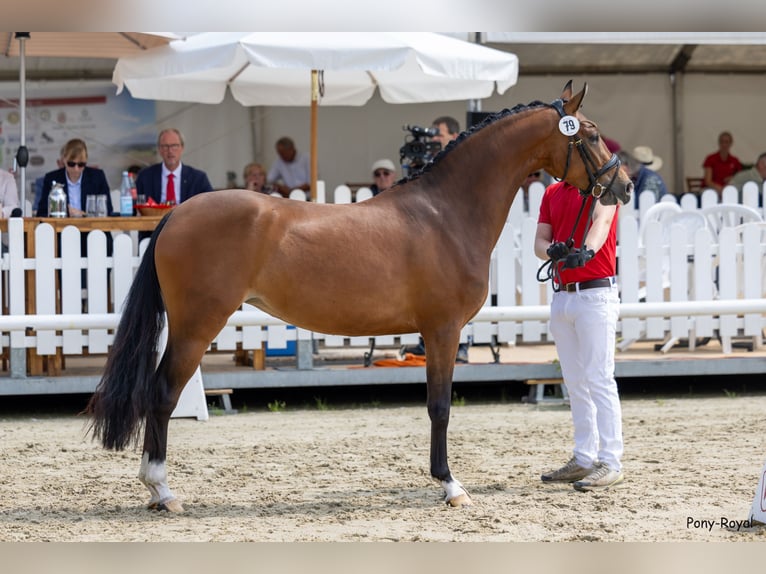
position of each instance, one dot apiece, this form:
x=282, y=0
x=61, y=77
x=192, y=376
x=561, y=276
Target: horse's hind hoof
x=460, y=500
x=173, y=506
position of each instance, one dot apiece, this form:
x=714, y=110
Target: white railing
x=679, y=284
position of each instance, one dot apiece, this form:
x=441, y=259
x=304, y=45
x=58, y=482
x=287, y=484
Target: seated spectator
x=291, y=170
x=641, y=166
x=9, y=200
x=254, y=175
x=383, y=174
x=757, y=173
x=721, y=165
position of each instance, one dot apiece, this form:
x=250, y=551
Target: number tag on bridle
x=569, y=125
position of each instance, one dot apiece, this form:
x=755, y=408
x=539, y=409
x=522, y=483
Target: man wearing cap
x=642, y=166
x=383, y=174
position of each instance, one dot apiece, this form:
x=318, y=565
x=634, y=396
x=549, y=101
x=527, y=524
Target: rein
x=552, y=271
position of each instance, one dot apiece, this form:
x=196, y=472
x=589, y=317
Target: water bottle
x=126, y=196
x=57, y=201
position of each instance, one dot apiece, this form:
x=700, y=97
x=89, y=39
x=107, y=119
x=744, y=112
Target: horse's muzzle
x=617, y=193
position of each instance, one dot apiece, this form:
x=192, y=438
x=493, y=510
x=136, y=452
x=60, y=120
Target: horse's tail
x=127, y=391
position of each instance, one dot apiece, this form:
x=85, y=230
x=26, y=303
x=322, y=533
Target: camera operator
x=448, y=129
x=418, y=149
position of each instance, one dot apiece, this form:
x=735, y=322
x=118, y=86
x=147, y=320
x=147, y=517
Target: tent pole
x=22, y=155
x=18, y=355
x=314, y=102
x=676, y=85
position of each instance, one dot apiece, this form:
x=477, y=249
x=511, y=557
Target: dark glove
x=557, y=250
x=578, y=258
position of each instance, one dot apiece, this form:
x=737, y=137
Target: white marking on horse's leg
x=155, y=477
x=454, y=493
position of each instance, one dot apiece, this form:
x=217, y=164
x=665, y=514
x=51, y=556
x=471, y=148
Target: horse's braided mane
x=467, y=133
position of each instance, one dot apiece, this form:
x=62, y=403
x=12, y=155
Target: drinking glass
x=101, y=206
x=90, y=206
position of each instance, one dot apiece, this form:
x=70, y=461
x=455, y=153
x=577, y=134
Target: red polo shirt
x=560, y=205
x=722, y=169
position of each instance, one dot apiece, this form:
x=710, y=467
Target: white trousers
x=584, y=325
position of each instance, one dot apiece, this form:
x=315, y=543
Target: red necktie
x=170, y=192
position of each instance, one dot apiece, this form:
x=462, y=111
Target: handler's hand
x=578, y=258
x=557, y=250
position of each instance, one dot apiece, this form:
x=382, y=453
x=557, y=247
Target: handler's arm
x=543, y=238
x=603, y=215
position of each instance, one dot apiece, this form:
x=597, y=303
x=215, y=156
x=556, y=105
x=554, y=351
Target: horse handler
x=583, y=322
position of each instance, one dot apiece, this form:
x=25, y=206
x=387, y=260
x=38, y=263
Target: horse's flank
x=423, y=245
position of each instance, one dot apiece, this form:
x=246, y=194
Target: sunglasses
x=76, y=163
x=381, y=173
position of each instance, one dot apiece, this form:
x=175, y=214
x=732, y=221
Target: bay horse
x=414, y=258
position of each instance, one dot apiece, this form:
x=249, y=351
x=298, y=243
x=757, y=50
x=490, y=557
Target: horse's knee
x=438, y=411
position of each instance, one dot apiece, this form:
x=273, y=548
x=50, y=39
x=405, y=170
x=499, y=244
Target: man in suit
x=171, y=181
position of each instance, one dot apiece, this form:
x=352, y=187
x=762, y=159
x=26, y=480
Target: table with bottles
x=36, y=364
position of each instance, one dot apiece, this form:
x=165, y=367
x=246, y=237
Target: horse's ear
x=566, y=93
x=575, y=103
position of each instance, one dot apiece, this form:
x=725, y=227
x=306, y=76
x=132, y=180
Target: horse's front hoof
x=460, y=500
x=454, y=493
x=172, y=505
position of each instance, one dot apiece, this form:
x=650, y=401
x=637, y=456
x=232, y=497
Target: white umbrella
x=327, y=68
x=71, y=45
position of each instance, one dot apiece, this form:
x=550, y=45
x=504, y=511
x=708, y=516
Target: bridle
x=595, y=189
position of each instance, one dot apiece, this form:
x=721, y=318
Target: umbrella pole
x=22, y=155
x=313, y=158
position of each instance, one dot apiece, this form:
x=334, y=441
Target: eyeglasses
x=79, y=164
x=381, y=173
x=173, y=146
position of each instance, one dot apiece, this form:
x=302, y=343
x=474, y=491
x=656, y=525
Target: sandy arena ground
x=362, y=475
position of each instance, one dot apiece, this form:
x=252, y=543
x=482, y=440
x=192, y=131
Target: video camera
x=417, y=151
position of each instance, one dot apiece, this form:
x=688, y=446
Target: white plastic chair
x=728, y=215
x=657, y=212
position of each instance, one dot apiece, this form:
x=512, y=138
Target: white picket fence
x=677, y=281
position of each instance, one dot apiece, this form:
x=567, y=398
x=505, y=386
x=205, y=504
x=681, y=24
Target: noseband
x=595, y=188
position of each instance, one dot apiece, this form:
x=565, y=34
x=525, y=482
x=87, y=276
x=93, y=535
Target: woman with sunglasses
x=79, y=180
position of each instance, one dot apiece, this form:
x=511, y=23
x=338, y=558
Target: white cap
x=383, y=164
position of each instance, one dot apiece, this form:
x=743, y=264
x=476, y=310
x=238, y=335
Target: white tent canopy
x=313, y=68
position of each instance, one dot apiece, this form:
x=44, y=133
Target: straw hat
x=645, y=155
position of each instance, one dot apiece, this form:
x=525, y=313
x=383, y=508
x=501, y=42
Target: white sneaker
x=570, y=472
x=601, y=478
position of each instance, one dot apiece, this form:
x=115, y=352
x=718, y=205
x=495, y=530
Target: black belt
x=592, y=284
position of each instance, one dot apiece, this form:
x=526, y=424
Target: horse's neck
x=482, y=178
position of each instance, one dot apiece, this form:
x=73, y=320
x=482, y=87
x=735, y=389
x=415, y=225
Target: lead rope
x=552, y=271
